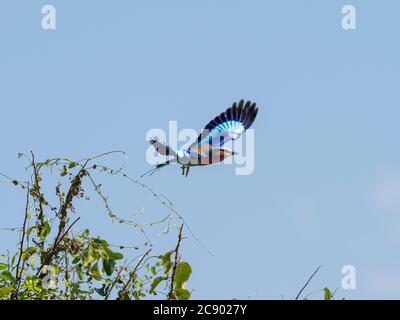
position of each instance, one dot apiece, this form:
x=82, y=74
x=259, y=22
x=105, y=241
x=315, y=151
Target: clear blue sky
x=326, y=185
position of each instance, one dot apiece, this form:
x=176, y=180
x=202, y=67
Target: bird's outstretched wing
x=162, y=148
x=229, y=125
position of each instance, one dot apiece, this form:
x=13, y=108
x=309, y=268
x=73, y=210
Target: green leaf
x=94, y=252
x=87, y=257
x=3, y=266
x=72, y=165
x=115, y=255
x=95, y=272
x=31, y=229
x=101, y=291
x=85, y=233
x=28, y=252
x=32, y=283
x=64, y=171
x=182, y=274
x=109, y=266
x=81, y=275
x=138, y=282
x=99, y=241
x=328, y=294
x=45, y=231
x=5, y=291
x=156, y=282
x=153, y=270
x=76, y=260
x=166, y=261
x=56, y=269
x=7, y=276
x=182, y=294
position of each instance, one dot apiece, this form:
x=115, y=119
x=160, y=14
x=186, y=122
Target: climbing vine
x=55, y=259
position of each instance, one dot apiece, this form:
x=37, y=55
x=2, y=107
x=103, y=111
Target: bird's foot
x=187, y=170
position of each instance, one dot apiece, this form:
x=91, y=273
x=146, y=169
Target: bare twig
x=112, y=214
x=308, y=281
x=170, y=206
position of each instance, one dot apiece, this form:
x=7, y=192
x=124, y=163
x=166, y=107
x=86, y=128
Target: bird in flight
x=208, y=147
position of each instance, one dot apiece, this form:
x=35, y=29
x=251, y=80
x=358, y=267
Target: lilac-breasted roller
x=208, y=147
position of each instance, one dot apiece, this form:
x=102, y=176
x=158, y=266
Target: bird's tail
x=158, y=167
x=162, y=148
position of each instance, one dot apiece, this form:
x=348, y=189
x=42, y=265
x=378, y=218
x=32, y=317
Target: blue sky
x=326, y=185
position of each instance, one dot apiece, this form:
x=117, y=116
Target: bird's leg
x=183, y=170
x=187, y=170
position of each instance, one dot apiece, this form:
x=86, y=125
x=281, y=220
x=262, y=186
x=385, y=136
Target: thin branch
x=63, y=212
x=170, y=206
x=50, y=255
x=18, y=273
x=308, y=281
x=66, y=272
x=112, y=214
x=114, y=282
x=171, y=290
x=39, y=196
x=133, y=273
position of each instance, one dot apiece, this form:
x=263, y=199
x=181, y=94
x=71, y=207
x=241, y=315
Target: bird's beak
x=234, y=153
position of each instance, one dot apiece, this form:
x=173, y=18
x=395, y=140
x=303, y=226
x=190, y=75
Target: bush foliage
x=55, y=260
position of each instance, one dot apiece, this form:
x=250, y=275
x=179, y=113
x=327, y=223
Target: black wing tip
x=243, y=105
x=245, y=111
